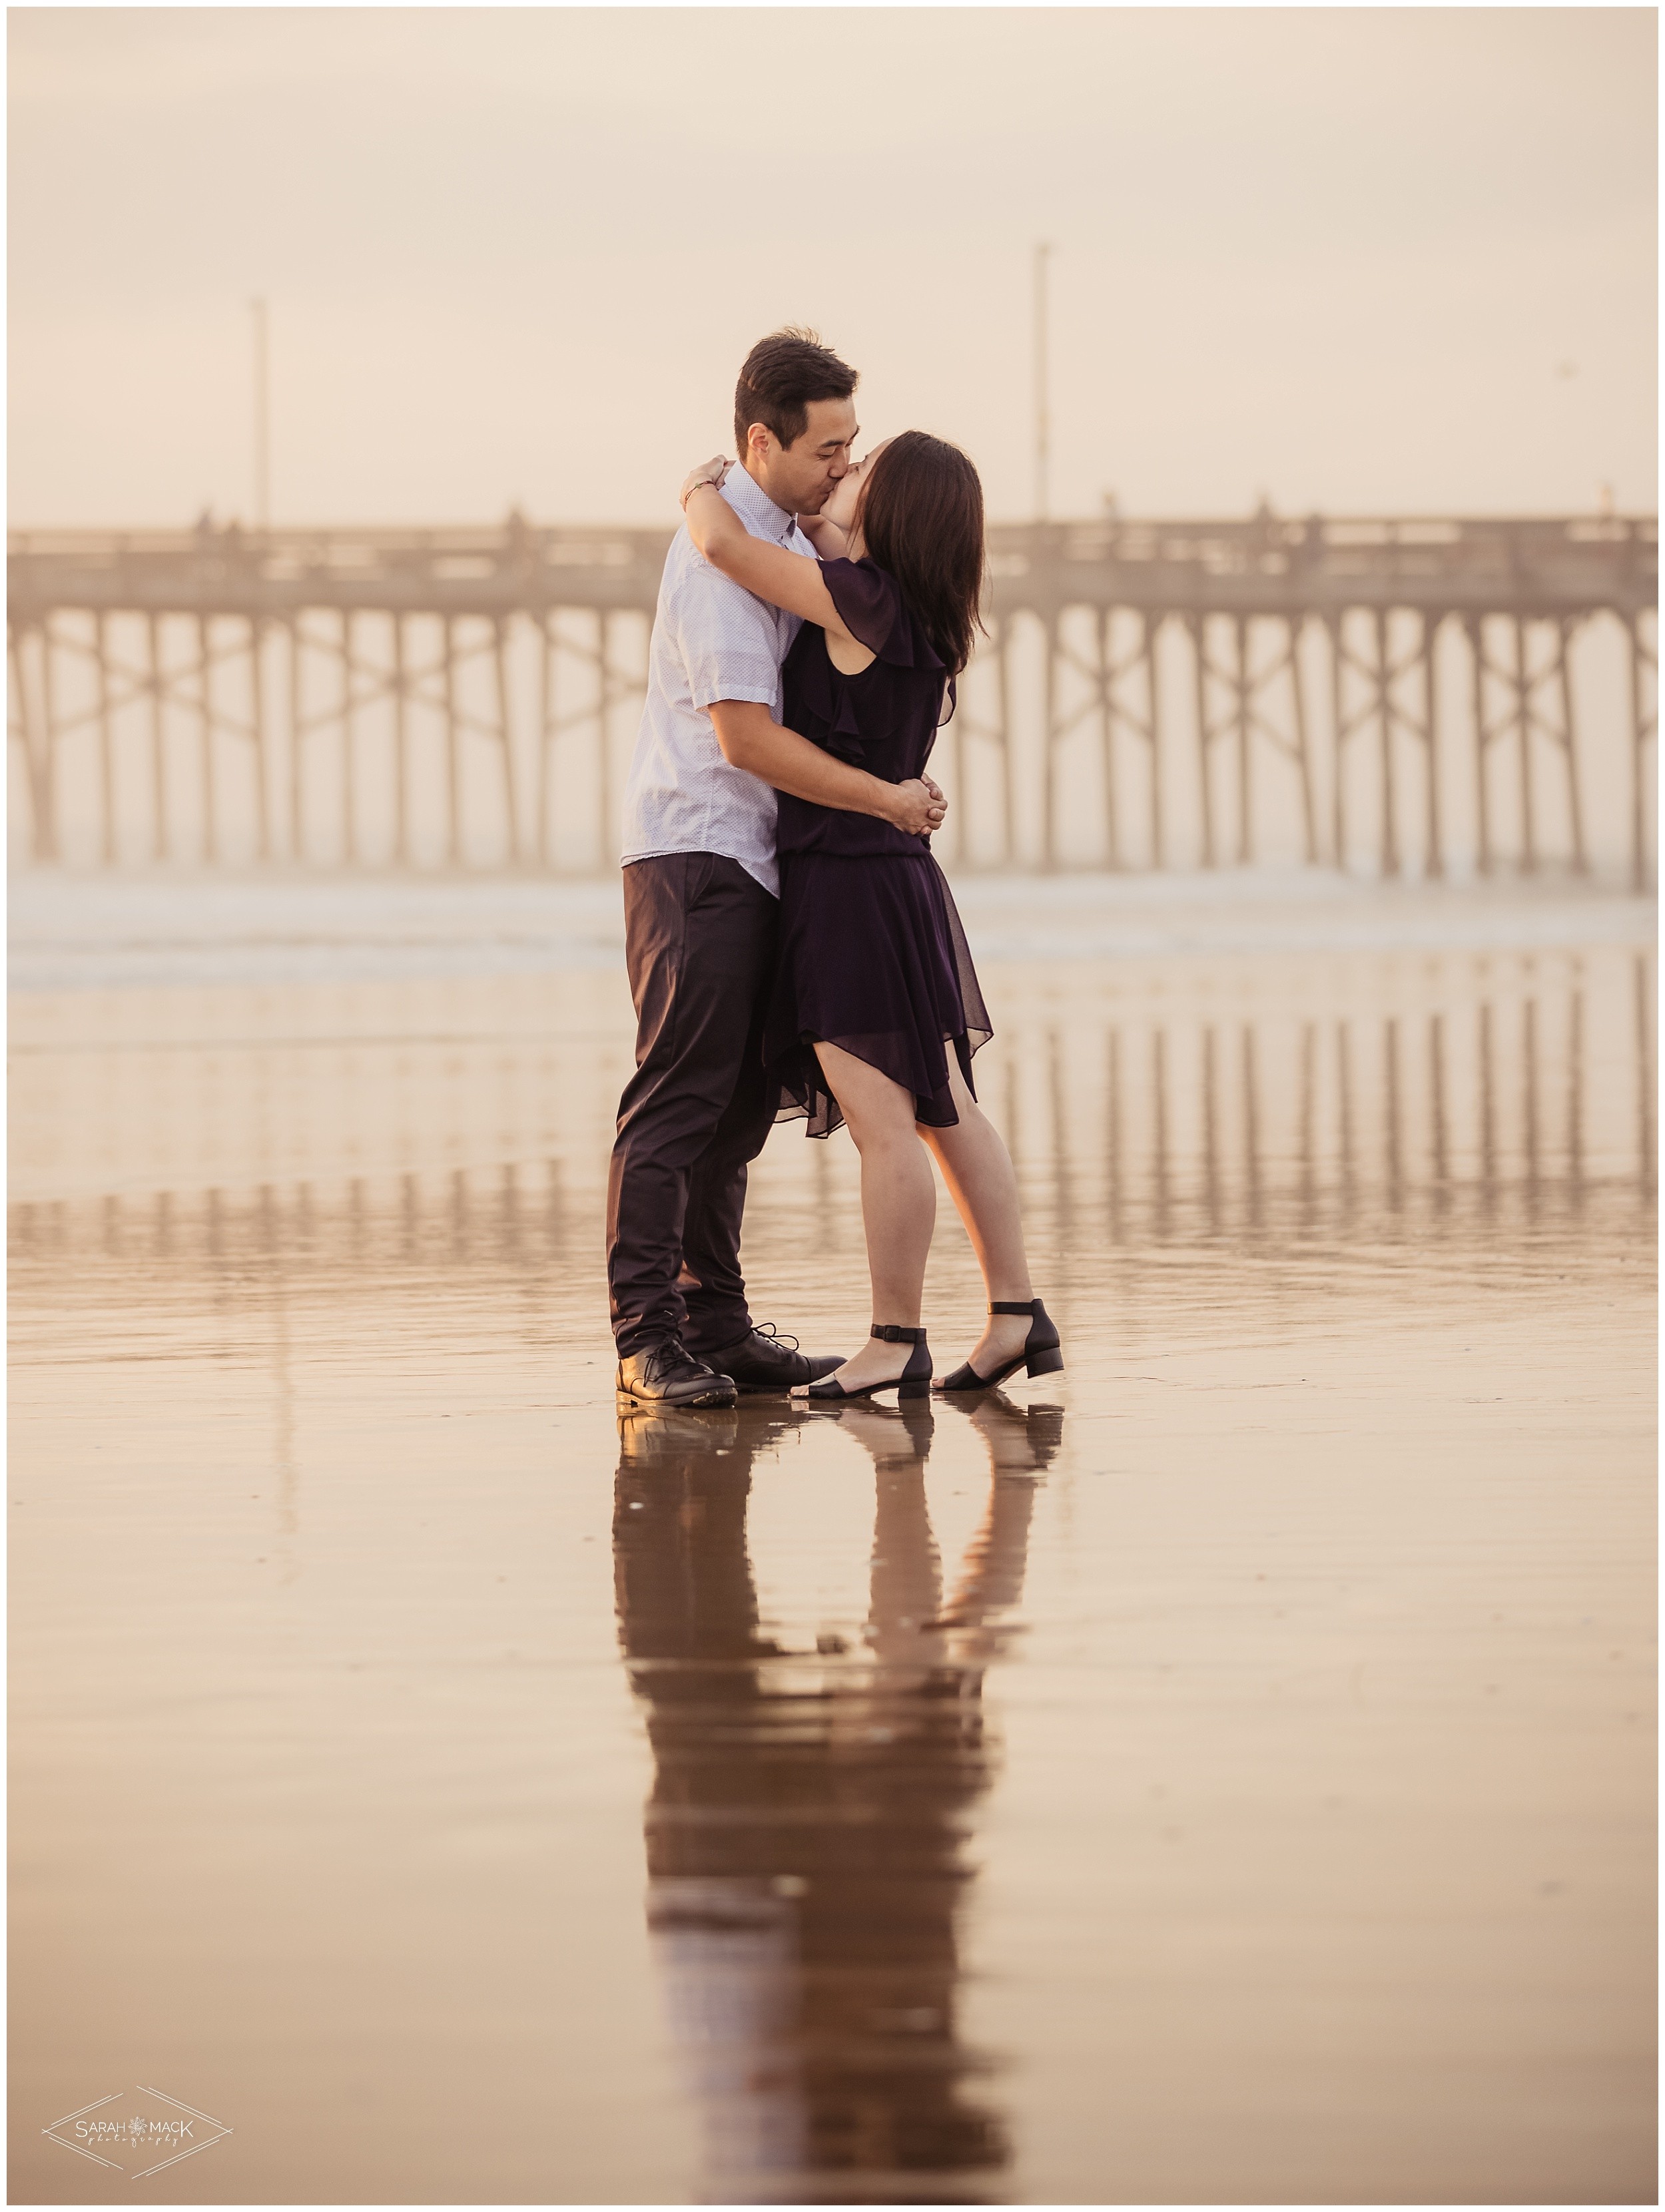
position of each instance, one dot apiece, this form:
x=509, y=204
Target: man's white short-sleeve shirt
x=711, y=641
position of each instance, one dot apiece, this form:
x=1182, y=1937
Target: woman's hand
x=918, y=807
x=710, y=472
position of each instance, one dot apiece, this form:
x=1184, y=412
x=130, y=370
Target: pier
x=1391, y=695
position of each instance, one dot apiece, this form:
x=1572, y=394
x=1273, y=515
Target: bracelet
x=705, y=483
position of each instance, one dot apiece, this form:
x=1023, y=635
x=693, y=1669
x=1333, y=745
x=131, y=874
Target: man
x=701, y=885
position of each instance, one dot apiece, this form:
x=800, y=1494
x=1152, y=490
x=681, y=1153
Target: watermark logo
x=136, y=2131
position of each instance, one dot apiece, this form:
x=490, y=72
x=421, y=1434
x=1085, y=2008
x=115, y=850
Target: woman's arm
x=830, y=543
x=786, y=580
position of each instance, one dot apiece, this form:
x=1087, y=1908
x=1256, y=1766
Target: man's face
x=842, y=499
x=800, y=476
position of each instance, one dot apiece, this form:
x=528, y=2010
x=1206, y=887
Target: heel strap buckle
x=889, y=1332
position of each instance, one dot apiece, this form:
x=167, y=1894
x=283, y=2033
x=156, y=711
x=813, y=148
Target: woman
x=875, y=979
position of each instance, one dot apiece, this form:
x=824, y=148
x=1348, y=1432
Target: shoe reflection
x=807, y=1829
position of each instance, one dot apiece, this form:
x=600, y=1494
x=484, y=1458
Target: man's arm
x=751, y=739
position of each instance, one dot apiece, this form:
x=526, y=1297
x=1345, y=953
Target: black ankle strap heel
x=1043, y=1353
x=914, y=1381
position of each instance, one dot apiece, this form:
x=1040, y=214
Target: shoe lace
x=672, y=1358
x=768, y=1328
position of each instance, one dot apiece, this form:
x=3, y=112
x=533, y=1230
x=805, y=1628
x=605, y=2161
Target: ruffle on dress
x=871, y=607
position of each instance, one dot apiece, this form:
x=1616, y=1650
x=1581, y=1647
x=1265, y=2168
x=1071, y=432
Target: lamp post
x=1042, y=417
x=262, y=419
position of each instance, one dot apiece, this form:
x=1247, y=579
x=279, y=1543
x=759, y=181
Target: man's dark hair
x=782, y=374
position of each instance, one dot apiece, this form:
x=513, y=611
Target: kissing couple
x=793, y=946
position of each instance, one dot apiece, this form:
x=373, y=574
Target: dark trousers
x=699, y=942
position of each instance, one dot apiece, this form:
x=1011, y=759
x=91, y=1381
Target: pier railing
x=1397, y=695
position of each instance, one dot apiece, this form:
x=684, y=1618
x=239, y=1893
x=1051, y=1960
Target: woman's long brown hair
x=922, y=517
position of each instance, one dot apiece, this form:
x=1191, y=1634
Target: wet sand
x=1222, y=1773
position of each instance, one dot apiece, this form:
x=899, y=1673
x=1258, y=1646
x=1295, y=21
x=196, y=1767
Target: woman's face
x=842, y=503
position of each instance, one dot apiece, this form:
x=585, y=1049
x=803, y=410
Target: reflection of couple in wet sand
x=807, y=1828
x=793, y=946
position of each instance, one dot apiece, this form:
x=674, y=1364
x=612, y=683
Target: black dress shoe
x=668, y=1375
x=766, y=1360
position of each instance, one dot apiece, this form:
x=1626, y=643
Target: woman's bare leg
x=898, y=1204
x=983, y=1185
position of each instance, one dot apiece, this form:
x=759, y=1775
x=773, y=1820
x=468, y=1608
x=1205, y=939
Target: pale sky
x=1364, y=261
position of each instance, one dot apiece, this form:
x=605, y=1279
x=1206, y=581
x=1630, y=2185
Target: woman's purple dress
x=872, y=956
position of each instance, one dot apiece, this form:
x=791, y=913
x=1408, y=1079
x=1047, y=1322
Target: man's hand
x=919, y=806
